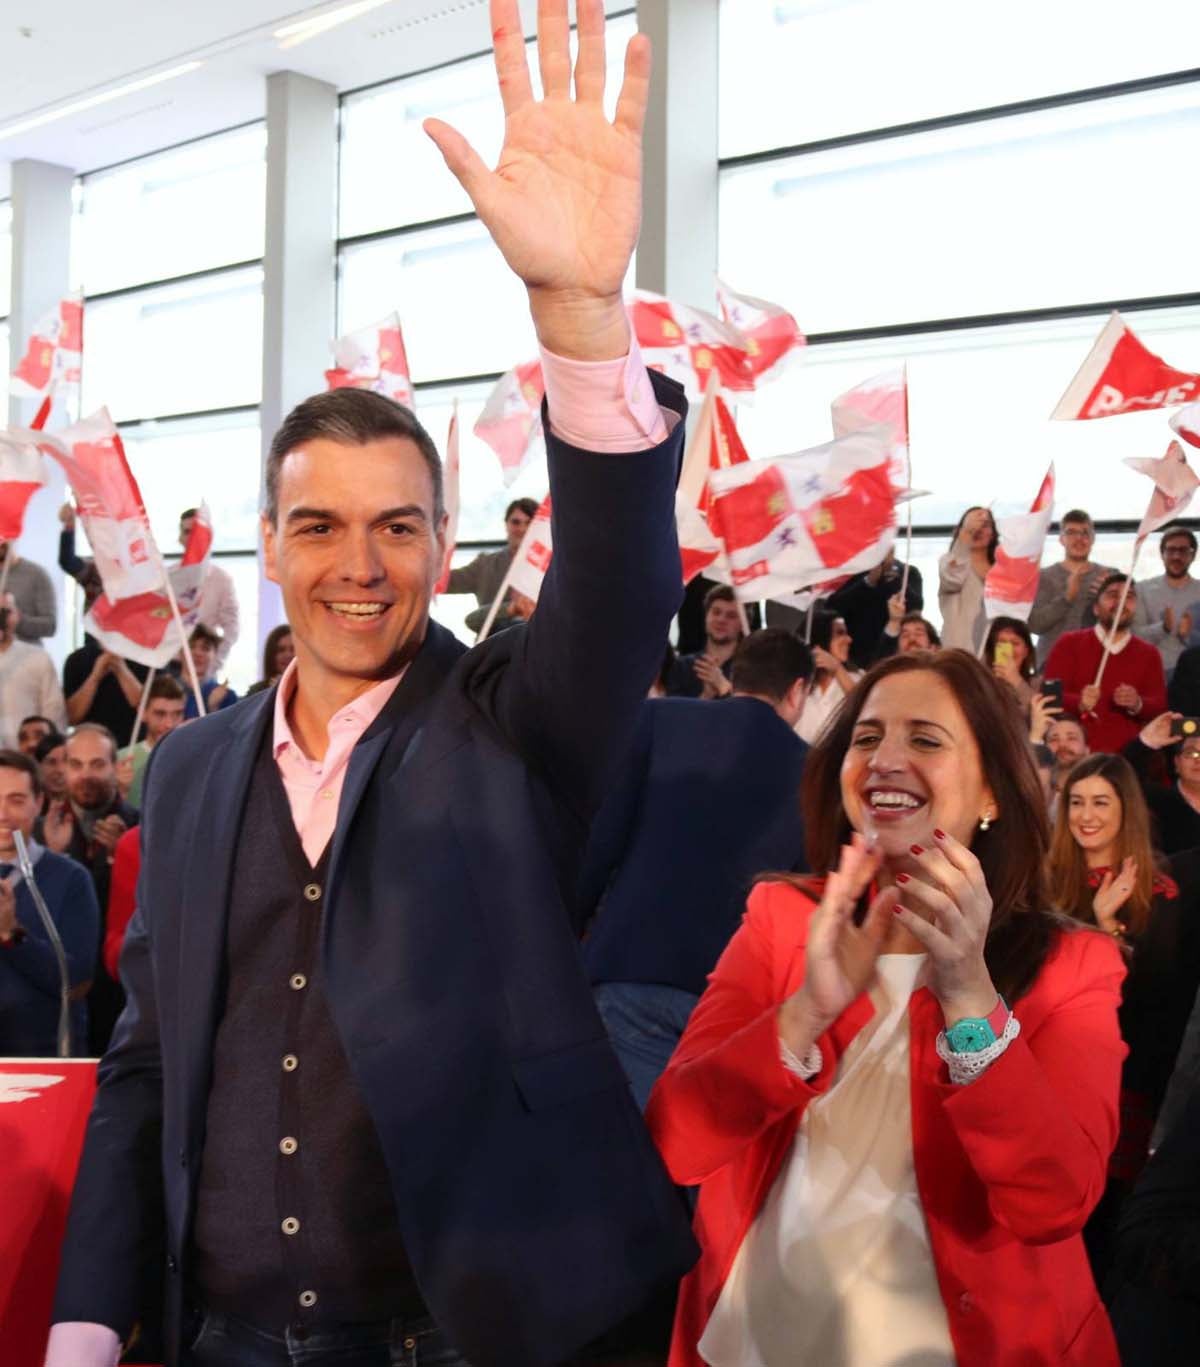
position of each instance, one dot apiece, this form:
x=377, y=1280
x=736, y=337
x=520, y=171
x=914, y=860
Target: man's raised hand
x=564, y=202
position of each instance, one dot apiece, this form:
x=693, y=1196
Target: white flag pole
x=187, y=649
x=1116, y=625
x=812, y=603
x=489, y=620
x=141, y=708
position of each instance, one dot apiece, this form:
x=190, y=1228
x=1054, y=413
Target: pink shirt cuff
x=82, y=1345
x=605, y=405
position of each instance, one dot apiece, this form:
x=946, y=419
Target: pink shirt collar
x=357, y=714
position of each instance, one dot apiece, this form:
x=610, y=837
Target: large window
x=983, y=246
x=167, y=251
x=410, y=243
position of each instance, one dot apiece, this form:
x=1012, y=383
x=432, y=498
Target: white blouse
x=820, y=705
x=837, y=1270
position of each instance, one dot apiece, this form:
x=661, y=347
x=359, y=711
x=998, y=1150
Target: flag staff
x=1116, y=623
x=141, y=707
x=187, y=649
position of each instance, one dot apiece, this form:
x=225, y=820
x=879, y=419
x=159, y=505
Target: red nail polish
x=916, y=849
x=902, y=878
x=939, y=835
x=897, y=909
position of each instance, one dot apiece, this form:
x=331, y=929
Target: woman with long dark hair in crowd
x=1103, y=871
x=1010, y=654
x=277, y=655
x=833, y=675
x=899, y=1117
x=961, y=572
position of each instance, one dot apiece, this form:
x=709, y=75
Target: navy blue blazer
x=533, y=1205
x=709, y=798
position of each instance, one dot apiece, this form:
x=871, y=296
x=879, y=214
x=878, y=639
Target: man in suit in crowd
x=361, y=1091
x=708, y=798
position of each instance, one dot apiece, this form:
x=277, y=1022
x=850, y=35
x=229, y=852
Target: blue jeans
x=645, y=1022
x=223, y=1341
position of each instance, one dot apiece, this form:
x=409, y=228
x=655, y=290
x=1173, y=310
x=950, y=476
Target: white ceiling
x=55, y=52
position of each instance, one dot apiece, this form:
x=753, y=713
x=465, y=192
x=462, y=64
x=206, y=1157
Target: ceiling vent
x=87, y=129
x=430, y=17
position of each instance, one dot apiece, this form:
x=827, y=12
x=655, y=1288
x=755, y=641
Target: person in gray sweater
x=1066, y=595
x=33, y=592
x=1167, y=604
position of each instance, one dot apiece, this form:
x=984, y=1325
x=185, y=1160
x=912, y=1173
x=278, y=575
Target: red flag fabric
x=715, y=444
x=22, y=474
x=110, y=504
x=53, y=357
x=511, y=421
x=44, y=1105
x=803, y=519
x=450, y=481
x=1175, y=483
x=883, y=399
x=687, y=343
x=1120, y=375
x=1012, y=582
x=373, y=358
x=771, y=335
x=140, y=628
x=187, y=577
x=533, y=557
x=1187, y=423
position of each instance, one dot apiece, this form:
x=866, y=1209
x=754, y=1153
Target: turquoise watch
x=974, y=1034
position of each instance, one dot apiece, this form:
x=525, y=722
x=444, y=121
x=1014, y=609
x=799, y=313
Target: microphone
x=64, y=974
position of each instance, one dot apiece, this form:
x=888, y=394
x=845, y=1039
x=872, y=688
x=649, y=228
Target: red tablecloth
x=44, y=1105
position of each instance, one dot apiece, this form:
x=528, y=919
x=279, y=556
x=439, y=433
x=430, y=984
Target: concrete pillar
x=677, y=253
x=41, y=276
x=299, y=260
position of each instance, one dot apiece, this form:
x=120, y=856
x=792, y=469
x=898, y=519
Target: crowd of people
x=818, y=993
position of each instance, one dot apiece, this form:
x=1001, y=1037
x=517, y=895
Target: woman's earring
x=985, y=822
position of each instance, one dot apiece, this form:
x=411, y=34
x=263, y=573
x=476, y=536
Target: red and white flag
x=1187, y=423
x=533, y=557
x=1121, y=376
x=140, y=628
x=373, y=358
x=450, y=485
x=687, y=343
x=1175, y=482
x=187, y=578
x=715, y=444
x=511, y=421
x=1012, y=582
x=53, y=358
x=883, y=399
x=772, y=337
x=22, y=474
x=803, y=519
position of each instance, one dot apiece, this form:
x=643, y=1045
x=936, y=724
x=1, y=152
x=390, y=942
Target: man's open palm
x=564, y=202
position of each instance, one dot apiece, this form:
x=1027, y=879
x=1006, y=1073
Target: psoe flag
x=373, y=358
x=22, y=474
x=1120, y=375
x=187, y=578
x=772, y=337
x=141, y=628
x=511, y=420
x=109, y=502
x=794, y=521
x=1012, y=582
x=533, y=557
x=1187, y=423
x=1175, y=484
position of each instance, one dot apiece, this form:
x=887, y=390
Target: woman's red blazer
x=1008, y=1167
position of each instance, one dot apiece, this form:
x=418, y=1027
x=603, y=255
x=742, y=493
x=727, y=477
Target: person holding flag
x=361, y=1095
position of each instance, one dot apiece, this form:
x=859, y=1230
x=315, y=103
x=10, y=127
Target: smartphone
x=1003, y=652
x=1185, y=726
x=1053, y=689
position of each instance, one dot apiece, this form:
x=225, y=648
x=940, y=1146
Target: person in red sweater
x=1133, y=690
x=122, y=896
x=899, y=1092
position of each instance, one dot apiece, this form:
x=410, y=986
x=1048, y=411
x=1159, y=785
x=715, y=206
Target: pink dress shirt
x=596, y=406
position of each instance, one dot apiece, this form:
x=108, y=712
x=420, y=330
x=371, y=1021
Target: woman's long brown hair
x=1067, y=870
x=1012, y=852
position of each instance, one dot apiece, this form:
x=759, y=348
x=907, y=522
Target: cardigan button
x=312, y=892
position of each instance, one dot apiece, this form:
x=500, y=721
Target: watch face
x=970, y=1036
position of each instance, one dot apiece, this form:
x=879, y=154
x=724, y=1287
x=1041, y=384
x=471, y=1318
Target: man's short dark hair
x=768, y=663
x=915, y=619
x=1116, y=577
x=1169, y=533
x=1075, y=515
x=47, y=745
x=200, y=632
x=719, y=593
x=166, y=686
x=35, y=717
x=188, y=512
x=100, y=730
x=352, y=417
x=14, y=759
x=526, y=505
